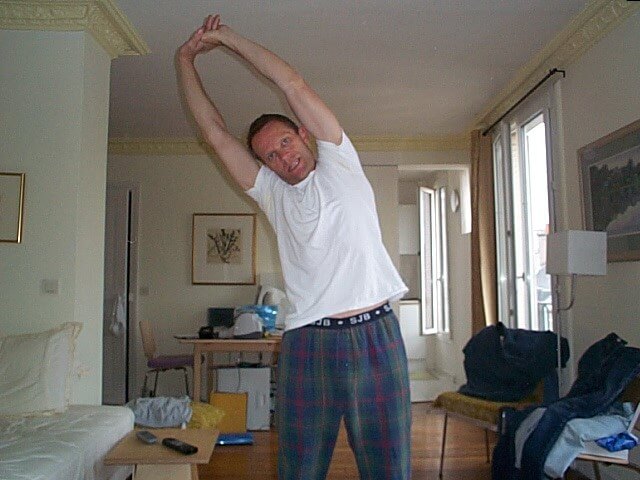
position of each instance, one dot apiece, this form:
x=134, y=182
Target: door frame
x=133, y=385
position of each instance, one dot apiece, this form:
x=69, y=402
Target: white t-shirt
x=329, y=241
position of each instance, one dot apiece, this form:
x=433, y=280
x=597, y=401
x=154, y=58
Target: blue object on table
x=244, y=438
x=615, y=443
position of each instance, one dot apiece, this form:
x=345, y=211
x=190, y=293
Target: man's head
x=282, y=146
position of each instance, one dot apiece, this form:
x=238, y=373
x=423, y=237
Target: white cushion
x=36, y=369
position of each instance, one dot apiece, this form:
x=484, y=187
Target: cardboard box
x=234, y=406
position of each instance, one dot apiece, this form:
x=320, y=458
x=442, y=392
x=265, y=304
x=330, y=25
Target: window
x=522, y=160
x=433, y=260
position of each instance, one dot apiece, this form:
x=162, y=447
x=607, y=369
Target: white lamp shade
x=577, y=252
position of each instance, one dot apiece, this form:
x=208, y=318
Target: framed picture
x=610, y=184
x=224, y=247
x=11, y=206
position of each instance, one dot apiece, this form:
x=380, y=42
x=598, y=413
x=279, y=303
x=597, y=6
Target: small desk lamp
x=575, y=252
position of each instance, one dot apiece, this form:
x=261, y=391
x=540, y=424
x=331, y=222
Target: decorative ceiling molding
x=157, y=146
x=193, y=146
x=584, y=31
x=410, y=144
x=101, y=18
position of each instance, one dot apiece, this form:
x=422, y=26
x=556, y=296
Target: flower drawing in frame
x=223, y=249
x=223, y=245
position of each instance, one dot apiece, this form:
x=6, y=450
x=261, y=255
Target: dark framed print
x=610, y=185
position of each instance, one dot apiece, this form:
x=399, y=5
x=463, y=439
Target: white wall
x=54, y=90
x=600, y=95
x=172, y=189
x=384, y=181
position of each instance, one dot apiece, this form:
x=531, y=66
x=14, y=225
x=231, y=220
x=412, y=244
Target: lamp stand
x=572, y=297
x=558, y=323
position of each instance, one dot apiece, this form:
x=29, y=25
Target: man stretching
x=342, y=356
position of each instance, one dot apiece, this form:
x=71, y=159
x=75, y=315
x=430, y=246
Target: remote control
x=180, y=446
x=146, y=437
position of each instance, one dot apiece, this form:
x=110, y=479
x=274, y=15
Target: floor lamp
x=571, y=253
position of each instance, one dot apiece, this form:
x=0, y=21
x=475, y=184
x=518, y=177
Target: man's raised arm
x=233, y=154
x=312, y=112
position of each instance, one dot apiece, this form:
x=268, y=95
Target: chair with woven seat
x=505, y=368
x=161, y=363
x=482, y=413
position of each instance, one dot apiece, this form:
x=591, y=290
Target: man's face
x=285, y=151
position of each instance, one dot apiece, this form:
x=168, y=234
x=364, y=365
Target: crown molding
x=157, y=146
x=584, y=31
x=410, y=144
x=194, y=146
x=101, y=18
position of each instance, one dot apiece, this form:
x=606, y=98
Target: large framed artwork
x=610, y=184
x=11, y=206
x=223, y=251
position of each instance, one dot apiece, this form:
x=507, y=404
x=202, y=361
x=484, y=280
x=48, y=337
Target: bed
x=63, y=446
x=42, y=435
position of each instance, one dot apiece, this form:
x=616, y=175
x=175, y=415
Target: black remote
x=180, y=446
x=146, y=437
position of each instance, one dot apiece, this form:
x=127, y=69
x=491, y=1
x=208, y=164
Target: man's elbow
x=294, y=84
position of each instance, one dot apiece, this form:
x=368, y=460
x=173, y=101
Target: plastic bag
x=615, y=443
x=267, y=314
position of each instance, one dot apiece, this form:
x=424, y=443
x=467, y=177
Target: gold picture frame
x=223, y=249
x=610, y=186
x=11, y=206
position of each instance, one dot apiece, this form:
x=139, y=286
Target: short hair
x=261, y=121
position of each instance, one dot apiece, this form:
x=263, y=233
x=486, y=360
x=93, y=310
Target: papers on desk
x=274, y=333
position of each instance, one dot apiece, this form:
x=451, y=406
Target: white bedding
x=63, y=446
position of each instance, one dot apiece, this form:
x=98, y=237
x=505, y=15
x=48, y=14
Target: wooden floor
x=465, y=457
x=465, y=454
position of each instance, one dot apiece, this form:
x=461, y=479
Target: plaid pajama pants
x=358, y=373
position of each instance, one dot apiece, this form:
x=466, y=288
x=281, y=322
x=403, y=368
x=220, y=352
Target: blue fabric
x=621, y=441
x=578, y=431
x=504, y=364
x=604, y=371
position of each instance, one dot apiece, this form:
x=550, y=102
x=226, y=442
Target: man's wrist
x=186, y=57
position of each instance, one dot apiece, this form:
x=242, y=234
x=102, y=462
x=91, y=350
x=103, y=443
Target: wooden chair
x=597, y=455
x=479, y=412
x=161, y=363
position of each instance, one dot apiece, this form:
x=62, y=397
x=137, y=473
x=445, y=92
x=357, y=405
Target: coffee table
x=158, y=462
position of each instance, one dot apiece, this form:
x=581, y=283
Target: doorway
x=120, y=284
x=434, y=346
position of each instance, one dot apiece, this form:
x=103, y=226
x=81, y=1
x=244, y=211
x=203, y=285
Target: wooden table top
x=131, y=451
x=266, y=344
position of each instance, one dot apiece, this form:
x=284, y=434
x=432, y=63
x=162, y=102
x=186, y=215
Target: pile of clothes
x=534, y=443
x=507, y=364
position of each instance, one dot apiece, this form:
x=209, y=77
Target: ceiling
x=404, y=68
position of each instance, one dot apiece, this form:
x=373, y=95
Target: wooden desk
x=157, y=462
x=230, y=345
